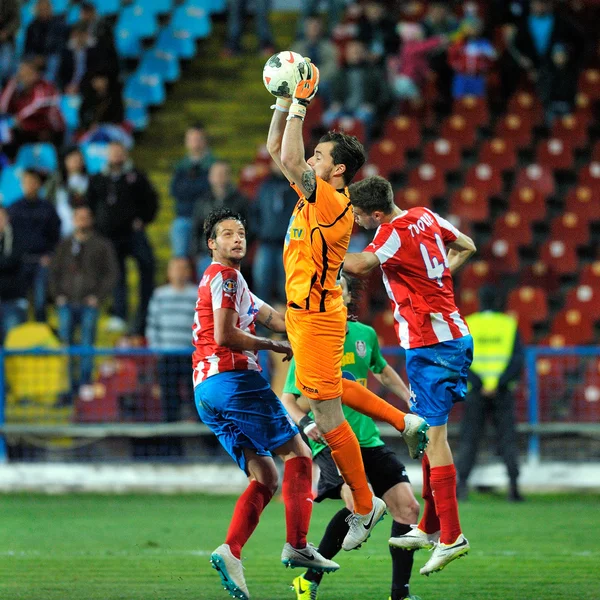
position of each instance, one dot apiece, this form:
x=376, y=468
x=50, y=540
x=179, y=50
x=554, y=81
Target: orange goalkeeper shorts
x=317, y=339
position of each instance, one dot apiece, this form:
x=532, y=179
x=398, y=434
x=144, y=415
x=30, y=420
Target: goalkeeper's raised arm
x=285, y=143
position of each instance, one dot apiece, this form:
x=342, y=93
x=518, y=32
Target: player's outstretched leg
x=413, y=428
x=297, y=497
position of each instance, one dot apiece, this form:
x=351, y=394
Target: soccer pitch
x=90, y=547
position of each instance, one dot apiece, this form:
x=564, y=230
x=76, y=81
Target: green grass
x=88, y=547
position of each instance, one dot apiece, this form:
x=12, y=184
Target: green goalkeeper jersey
x=361, y=355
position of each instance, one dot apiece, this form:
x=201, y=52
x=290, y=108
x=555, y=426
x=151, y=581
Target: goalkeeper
x=386, y=473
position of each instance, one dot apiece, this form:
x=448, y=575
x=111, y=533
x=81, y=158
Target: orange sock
x=364, y=401
x=345, y=452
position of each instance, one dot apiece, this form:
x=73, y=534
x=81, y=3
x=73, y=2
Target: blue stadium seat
x=128, y=45
x=139, y=21
x=158, y=62
x=59, y=7
x=27, y=14
x=211, y=6
x=96, y=157
x=192, y=19
x=158, y=7
x=179, y=42
x=148, y=90
x=37, y=156
x=69, y=106
x=137, y=116
x=73, y=14
x=10, y=185
x=107, y=7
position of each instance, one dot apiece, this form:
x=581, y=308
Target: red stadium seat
x=456, y=129
x=485, y=179
x=570, y=226
x=590, y=275
x=470, y=204
x=584, y=109
x=554, y=154
x=536, y=177
x=560, y=256
x=467, y=301
x=498, y=153
x=589, y=83
x=384, y=325
x=515, y=129
x=429, y=180
x=404, y=131
x=529, y=203
x=590, y=176
x=512, y=227
x=409, y=197
x=571, y=327
x=596, y=152
x=503, y=255
x=528, y=107
x=351, y=126
x=388, y=156
x=474, y=110
x=476, y=274
x=551, y=374
x=251, y=176
x=586, y=396
x=572, y=129
x=539, y=274
x=585, y=299
x=583, y=202
x=442, y=154
x=314, y=117
x=528, y=305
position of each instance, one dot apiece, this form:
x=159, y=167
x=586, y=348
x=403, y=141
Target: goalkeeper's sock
x=296, y=491
x=430, y=522
x=443, y=485
x=362, y=400
x=345, y=452
x=402, y=563
x=246, y=514
x=332, y=540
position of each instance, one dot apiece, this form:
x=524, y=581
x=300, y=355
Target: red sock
x=298, y=499
x=246, y=515
x=362, y=400
x=443, y=484
x=430, y=522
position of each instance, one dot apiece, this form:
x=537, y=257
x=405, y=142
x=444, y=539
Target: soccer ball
x=283, y=72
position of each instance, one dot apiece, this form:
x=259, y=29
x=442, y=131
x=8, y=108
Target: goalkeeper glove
x=305, y=91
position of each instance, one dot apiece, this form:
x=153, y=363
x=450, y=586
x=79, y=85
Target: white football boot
x=444, y=554
x=307, y=558
x=230, y=571
x=415, y=539
x=361, y=526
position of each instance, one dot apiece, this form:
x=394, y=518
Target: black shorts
x=382, y=467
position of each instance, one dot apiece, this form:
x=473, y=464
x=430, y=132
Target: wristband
x=298, y=110
x=282, y=105
x=306, y=424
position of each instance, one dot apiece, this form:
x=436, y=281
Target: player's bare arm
x=460, y=251
x=298, y=408
x=275, y=138
x=360, y=263
x=229, y=335
x=271, y=319
x=393, y=382
x=292, y=158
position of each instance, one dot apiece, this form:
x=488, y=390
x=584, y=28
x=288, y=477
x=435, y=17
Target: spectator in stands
x=497, y=364
x=189, y=183
x=78, y=58
x=471, y=58
x=377, y=31
x=170, y=313
x=559, y=88
x=13, y=291
x=321, y=51
x=124, y=202
x=335, y=12
x=69, y=188
x=37, y=225
x=235, y=26
x=409, y=71
x=102, y=100
x=358, y=90
x=33, y=104
x=221, y=193
x=99, y=29
x=83, y=273
x=268, y=221
x=46, y=37
x=10, y=20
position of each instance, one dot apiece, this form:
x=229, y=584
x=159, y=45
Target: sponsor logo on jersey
x=361, y=348
x=348, y=359
x=310, y=390
x=230, y=286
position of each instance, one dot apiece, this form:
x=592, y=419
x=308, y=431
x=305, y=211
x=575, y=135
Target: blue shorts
x=438, y=377
x=242, y=410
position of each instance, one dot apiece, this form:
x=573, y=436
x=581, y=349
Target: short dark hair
x=217, y=216
x=355, y=289
x=35, y=173
x=371, y=194
x=347, y=150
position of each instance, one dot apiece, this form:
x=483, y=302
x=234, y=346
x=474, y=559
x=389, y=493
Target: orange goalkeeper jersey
x=315, y=246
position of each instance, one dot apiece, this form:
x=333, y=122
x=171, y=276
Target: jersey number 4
x=435, y=268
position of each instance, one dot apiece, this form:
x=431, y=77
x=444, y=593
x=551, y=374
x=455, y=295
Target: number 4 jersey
x=412, y=253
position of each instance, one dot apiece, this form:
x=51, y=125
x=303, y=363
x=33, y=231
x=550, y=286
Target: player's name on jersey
x=422, y=223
